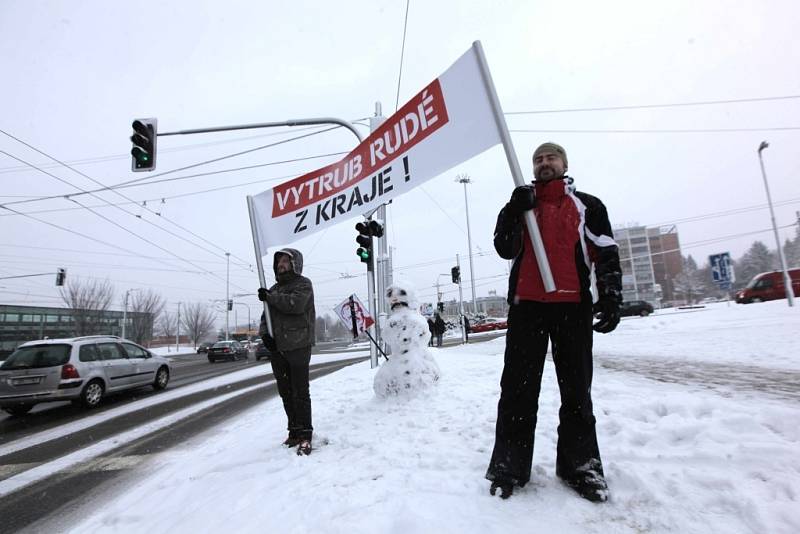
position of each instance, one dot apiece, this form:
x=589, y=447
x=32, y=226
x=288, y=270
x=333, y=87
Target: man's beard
x=551, y=175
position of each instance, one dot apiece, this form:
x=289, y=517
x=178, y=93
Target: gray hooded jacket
x=291, y=305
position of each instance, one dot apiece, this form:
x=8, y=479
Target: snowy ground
x=681, y=455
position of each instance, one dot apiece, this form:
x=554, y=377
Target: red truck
x=768, y=286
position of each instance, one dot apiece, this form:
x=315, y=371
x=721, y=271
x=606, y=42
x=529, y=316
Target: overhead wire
x=655, y=106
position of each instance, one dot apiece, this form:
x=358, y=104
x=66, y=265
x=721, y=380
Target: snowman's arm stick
x=376, y=344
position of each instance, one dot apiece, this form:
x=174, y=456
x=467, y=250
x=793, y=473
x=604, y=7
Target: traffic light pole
x=461, y=301
x=293, y=122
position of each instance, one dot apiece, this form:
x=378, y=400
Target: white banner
x=446, y=123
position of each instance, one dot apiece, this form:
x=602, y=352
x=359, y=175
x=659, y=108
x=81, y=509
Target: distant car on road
x=489, y=325
x=79, y=369
x=226, y=350
x=262, y=352
x=636, y=307
x=203, y=347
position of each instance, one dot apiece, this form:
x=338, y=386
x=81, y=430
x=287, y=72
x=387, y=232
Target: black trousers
x=291, y=373
x=568, y=326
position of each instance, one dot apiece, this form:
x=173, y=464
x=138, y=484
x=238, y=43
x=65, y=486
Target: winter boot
x=292, y=441
x=304, y=447
x=588, y=481
x=506, y=489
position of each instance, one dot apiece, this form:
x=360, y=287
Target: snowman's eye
x=403, y=292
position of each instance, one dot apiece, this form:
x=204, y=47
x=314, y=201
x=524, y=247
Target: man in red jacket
x=577, y=236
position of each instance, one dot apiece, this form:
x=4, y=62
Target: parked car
x=80, y=369
x=636, y=307
x=489, y=325
x=203, y=347
x=226, y=350
x=262, y=352
x=768, y=286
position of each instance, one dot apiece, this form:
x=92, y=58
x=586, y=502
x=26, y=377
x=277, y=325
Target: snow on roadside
x=678, y=458
x=218, y=382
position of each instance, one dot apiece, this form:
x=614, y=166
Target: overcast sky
x=75, y=74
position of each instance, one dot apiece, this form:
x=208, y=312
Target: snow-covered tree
x=758, y=259
x=689, y=282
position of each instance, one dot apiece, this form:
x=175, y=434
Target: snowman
x=411, y=367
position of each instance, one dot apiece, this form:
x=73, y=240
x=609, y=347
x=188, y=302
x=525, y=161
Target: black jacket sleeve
x=606, y=253
x=292, y=299
x=508, y=234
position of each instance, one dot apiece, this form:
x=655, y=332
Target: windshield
x=753, y=282
x=37, y=356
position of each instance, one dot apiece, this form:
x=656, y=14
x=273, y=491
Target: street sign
x=722, y=270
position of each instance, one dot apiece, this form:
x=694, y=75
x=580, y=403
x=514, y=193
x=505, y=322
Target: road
x=41, y=445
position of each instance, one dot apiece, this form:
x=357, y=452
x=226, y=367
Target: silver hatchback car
x=80, y=369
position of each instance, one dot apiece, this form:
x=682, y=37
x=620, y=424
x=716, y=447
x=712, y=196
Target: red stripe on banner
x=414, y=122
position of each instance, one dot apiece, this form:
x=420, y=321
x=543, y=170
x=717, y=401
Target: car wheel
x=92, y=394
x=162, y=378
x=644, y=313
x=19, y=409
x=211, y=360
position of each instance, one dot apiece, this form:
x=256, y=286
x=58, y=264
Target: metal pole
x=461, y=301
x=125, y=313
x=227, y=297
x=373, y=306
x=464, y=179
x=291, y=122
x=259, y=265
x=516, y=173
x=787, y=281
x=178, y=330
x=382, y=273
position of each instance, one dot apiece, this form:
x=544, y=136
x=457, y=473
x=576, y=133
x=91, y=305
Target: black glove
x=606, y=309
x=269, y=342
x=262, y=294
x=522, y=200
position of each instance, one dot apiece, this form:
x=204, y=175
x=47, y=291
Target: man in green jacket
x=291, y=310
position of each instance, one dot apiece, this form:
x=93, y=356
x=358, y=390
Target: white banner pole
x=257, y=244
x=516, y=173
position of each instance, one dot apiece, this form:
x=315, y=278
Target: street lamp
x=249, y=324
x=464, y=179
x=227, y=297
x=787, y=282
x=125, y=310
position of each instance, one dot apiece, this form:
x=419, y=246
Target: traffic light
x=440, y=306
x=364, y=240
x=366, y=231
x=144, y=145
x=455, y=272
x=61, y=275
x=230, y=305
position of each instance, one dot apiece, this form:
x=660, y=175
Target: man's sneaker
x=588, y=481
x=304, y=447
x=292, y=441
x=506, y=489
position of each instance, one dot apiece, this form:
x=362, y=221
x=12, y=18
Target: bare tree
x=198, y=319
x=167, y=325
x=144, y=309
x=88, y=301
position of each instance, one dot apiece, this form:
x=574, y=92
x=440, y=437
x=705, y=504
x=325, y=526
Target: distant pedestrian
x=291, y=309
x=439, y=327
x=432, y=328
x=576, y=233
x=466, y=328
